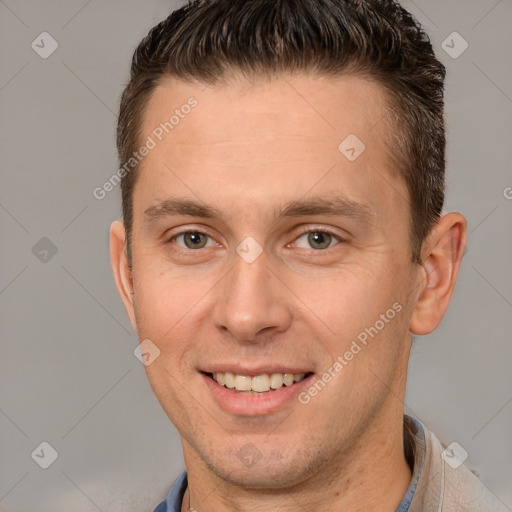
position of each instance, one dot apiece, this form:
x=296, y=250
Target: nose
x=252, y=302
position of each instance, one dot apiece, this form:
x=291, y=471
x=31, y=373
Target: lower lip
x=254, y=405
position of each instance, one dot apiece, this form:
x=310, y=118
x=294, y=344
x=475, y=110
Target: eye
x=318, y=239
x=192, y=240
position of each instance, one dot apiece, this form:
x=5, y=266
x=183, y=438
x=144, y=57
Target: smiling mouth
x=258, y=384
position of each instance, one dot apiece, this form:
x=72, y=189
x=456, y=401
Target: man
x=283, y=239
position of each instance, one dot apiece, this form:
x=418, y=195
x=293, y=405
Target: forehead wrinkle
x=338, y=206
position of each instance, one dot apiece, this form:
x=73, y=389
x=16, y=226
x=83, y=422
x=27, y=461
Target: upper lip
x=238, y=369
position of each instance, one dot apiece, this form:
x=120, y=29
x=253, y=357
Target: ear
x=121, y=269
x=441, y=257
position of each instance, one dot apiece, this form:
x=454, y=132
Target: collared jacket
x=444, y=482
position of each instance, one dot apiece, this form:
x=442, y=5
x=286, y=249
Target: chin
x=274, y=470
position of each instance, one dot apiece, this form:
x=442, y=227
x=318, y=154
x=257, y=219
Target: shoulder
x=173, y=501
x=161, y=508
x=448, y=485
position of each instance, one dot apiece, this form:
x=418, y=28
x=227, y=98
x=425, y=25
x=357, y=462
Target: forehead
x=284, y=136
x=294, y=106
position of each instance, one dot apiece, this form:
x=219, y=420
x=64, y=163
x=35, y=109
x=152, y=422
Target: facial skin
x=249, y=150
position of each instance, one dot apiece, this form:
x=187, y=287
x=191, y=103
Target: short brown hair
x=210, y=40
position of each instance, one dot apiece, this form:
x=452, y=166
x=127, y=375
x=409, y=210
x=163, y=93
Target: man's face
x=274, y=283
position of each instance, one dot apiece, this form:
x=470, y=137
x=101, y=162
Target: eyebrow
x=337, y=206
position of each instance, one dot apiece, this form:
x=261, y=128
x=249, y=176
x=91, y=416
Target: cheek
x=348, y=300
x=165, y=305
x=364, y=315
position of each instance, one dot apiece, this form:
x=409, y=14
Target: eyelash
x=299, y=235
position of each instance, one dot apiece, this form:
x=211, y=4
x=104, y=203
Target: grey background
x=68, y=375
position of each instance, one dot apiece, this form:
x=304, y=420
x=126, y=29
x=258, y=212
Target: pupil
x=194, y=238
x=317, y=237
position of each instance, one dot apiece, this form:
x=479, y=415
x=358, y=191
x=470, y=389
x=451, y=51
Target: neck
x=373, y=476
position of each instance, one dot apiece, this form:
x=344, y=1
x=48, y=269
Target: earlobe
x=441, y=258
x=121, y=269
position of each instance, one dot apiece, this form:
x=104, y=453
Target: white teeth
x=229, y=379
x=259, y=383
x=243, y=383
x=288, y=379
x=276, y=380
